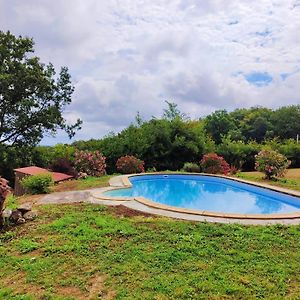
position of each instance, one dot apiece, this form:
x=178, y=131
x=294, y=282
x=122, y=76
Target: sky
x=131, y=56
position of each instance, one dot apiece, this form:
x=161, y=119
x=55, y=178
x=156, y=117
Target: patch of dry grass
x=290, y=181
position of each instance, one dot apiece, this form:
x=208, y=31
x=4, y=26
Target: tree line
x=170, y=141
x=166, y=143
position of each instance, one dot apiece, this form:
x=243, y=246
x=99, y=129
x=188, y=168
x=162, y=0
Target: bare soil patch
x=123, y=211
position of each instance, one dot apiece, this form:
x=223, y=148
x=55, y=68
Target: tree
x=256, y=124
x=286, y=122
x=219, y=124
x=32, y=96
x=172, y=112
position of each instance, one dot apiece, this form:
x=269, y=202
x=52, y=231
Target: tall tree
x=219, y=124
x=32, y=95
x=172, y=112
x=286, y=121
x=256, y=124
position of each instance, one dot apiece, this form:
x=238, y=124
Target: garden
x=85, y=251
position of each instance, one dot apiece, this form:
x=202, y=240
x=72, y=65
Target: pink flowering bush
x=272, y=163
x=130, y=164
x=90, y=162
x=214, y=164
x=4, y=190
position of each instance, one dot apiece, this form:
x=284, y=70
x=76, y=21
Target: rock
x=15, y=215
x=21, y=221
x=30, y=215
x=25, y=207
x=6, y=213
x=82, y=175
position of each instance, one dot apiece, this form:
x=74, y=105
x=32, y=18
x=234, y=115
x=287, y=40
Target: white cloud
x=128, y=56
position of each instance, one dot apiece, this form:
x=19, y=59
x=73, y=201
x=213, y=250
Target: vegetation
x=82, y=183
x=272, y=163
x=291, y=180
x=129, y=164
x=167, y=143
x=63, y=165
x=97, y=252
x=90, y=162
x=32, y=95
x=37, y=184
x=191, y=167
x=4, y=190
x=214, y=164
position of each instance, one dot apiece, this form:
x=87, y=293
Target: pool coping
x=124, y=183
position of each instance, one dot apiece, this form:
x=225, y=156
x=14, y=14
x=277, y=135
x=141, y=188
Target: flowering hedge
x=90, y=162
x=4, y=190
x=214, y=164
x=129, y=164
x=272, y=163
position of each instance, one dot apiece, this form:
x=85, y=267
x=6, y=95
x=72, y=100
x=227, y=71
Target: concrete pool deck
x=96, y=196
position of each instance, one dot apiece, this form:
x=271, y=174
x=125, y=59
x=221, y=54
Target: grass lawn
x=94, y=252
x=82, y=184
x=290, y=181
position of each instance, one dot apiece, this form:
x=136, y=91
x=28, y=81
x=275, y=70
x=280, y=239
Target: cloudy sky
x=132, y=55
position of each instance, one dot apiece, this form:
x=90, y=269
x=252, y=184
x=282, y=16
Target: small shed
x=33, y=170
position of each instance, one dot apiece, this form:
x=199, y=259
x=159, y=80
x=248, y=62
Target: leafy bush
x=90, y=162
x=238, y=153
x=291, y=149
x=151, y=170
x=129, y=164
x=63, y=165
x=214, y=164
x=272, y=163
x=191, y=167
x=37, y=184
x=44, y=156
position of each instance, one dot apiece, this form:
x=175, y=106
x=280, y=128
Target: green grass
x=70, y=250
x=11, y=202
x=91, y=182
x=82, y=184
x=287, y=182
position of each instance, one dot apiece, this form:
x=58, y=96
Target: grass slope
x=82, y=184
x=82, y=251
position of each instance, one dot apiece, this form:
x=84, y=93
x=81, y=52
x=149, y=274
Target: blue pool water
x=209, y=193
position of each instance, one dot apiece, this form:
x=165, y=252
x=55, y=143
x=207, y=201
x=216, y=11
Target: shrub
x=238, y=153
x=37, y=184
x=233, y=170
x=45, y=155
x=63, y=165
x=214, y=164
x=90, y=162
x=4, y=190
x=130, y=164
x=151, y=170
x=191, y=167
x=291, y=149
x=272, y=163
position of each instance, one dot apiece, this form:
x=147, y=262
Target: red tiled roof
x=36, y=170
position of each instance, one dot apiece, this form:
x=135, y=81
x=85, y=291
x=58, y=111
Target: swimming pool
x=209, y=193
